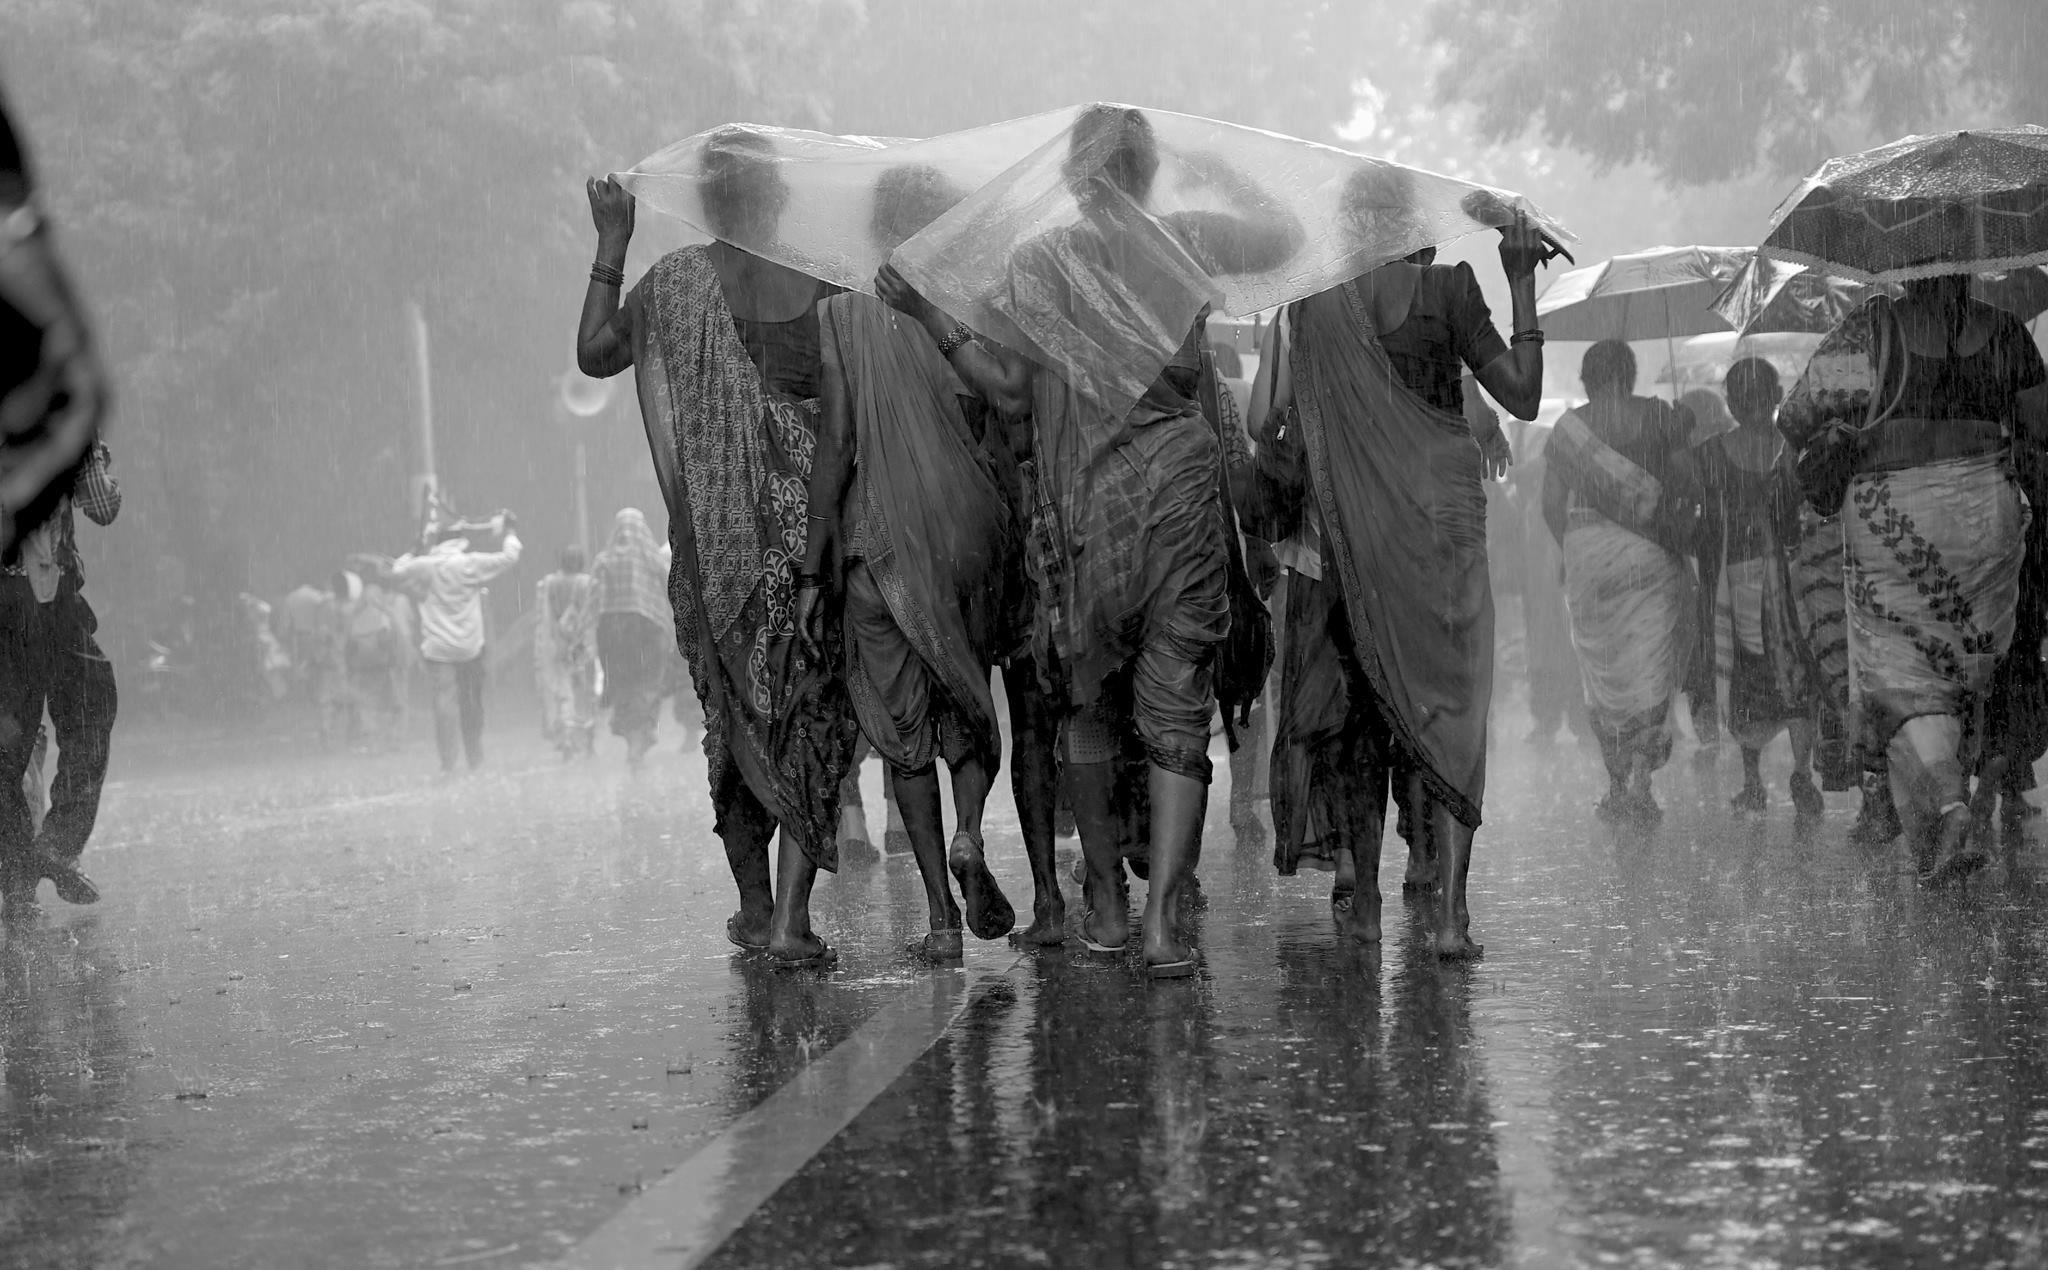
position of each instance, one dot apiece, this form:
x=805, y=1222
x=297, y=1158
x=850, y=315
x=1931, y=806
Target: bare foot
x=940, y=945
x=1107, y=929
x=1363, y=921
x=1456, y=945
x=1048, y=927
x=804, y=949
x=988, y=912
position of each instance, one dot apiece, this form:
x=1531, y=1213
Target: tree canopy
x=1705, y=92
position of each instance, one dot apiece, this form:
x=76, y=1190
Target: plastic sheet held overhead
x=1087, y=238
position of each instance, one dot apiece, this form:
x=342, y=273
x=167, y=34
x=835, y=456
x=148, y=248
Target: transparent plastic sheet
x=1087, y=238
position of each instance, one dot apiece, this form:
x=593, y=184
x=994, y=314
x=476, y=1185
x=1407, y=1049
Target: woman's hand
x=611, y=208
x=898, y=294
x=810, y=618
x=1496, y=456
x=1523, y=247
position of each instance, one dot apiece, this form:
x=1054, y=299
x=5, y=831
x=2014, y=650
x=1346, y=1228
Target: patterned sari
x=1933, y=530
x=733, y=458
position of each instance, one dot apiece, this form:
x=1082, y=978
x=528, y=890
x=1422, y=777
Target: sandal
x=732, y=934
x=824, y=959
x=948, y=947
x=1182, y=968
x=1094, y=947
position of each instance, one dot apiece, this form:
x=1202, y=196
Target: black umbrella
x=1957, y=202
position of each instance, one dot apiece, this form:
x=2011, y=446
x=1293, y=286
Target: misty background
x=251, y=193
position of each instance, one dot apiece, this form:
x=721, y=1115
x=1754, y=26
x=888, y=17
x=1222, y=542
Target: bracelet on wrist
x=956, y=339
x=803, y=579
x=1534, y=335
x=607, y=275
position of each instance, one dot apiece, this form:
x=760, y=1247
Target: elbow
x=590, y=362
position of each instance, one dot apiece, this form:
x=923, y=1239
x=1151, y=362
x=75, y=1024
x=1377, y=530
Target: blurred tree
x=1705, y=92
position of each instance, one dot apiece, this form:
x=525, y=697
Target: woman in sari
x=1751, y=515
x=1131, y=535
x=1370, y=457
x=1906, y=420
x=565, y=655
x=634, y=630
x=1621, y=499
x=908, y=490
x=725, y=349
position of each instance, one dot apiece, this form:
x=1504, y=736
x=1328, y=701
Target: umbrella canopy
x=1955, y=202
x=1662, y=293
x=984, y=222
x=1780, y=296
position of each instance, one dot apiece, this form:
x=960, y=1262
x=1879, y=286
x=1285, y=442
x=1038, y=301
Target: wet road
x=334, y=1009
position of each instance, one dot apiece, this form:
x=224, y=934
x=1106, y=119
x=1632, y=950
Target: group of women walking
x=872, y=506
x=1867, y=546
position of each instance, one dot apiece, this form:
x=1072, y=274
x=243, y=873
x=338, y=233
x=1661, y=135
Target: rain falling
x=882, y=633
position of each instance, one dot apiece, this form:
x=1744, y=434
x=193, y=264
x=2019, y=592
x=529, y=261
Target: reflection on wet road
x=333, y=1008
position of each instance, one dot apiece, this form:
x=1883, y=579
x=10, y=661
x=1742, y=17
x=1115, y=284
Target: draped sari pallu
x=1397, y=484
x=1631, y=599
x=733, y=459
x=936, y=535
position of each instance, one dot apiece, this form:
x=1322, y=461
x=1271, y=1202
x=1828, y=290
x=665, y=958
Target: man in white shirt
x=448, y=582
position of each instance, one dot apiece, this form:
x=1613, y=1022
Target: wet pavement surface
x=332, y=1008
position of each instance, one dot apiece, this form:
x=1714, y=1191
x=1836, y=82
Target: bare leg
x=987, y=910
x=1089, y=790
x=1366, y=827
x=745, y=826
x=1423, y=862
x=1806, y=798
x=1032, y=784
x=790, y=937
x=1454, y=862
x=1178, y=805
x=917, y=793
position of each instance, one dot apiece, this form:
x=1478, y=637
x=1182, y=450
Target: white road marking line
x=682, y=1219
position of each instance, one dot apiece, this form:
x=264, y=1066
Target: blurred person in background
x=49, y=659
x=565, y=655
x=1621, y=499
x=53, y=392
x=635, y=631
x=1556, y=694
x=1750, y=500
x=449, y=582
